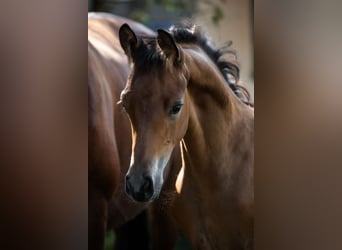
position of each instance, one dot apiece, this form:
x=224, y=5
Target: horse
x=181, y=91
x=109, y=134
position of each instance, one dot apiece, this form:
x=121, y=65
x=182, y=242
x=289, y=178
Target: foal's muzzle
x=141, y=191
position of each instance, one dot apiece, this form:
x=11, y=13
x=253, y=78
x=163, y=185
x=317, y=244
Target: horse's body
x=178, y=92
x=109, y=129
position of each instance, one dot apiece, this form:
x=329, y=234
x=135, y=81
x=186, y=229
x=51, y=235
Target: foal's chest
x=210, y=223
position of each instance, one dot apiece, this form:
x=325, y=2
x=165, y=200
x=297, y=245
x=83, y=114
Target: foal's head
x=155, y=101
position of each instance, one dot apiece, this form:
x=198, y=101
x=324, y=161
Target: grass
x=109, y=240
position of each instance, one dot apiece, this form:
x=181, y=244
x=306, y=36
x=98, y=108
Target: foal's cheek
x=179, y=130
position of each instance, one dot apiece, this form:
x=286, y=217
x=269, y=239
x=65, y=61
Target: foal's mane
x=188, y=33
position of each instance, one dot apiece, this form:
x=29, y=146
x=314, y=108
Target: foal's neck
x=220, y=127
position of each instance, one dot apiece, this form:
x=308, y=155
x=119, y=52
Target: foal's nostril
x=147, y=187
x=140, y=191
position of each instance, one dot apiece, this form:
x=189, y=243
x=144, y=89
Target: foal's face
x=155, y=100
x=155, y=104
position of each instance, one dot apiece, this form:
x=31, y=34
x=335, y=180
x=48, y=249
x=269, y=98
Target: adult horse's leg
x=102, y=181
x=97, y=219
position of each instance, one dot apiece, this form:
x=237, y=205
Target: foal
x=179, y=92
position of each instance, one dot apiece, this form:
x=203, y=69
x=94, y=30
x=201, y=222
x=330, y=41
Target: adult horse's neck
x=219, y=140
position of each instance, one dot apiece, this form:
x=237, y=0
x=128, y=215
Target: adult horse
x=180, y=91
x=109, y=131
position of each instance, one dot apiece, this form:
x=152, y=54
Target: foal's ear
x=168, y=45
x=128, y=40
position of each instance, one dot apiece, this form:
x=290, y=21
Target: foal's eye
x=176, y=108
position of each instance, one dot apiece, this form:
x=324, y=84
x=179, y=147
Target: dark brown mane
x=190, y=33
x=148, y=54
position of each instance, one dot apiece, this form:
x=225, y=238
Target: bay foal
x=179, y=91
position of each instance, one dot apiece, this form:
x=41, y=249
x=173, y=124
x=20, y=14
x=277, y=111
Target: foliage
x=217, y=14
x=178, y=8
x=175, y=6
